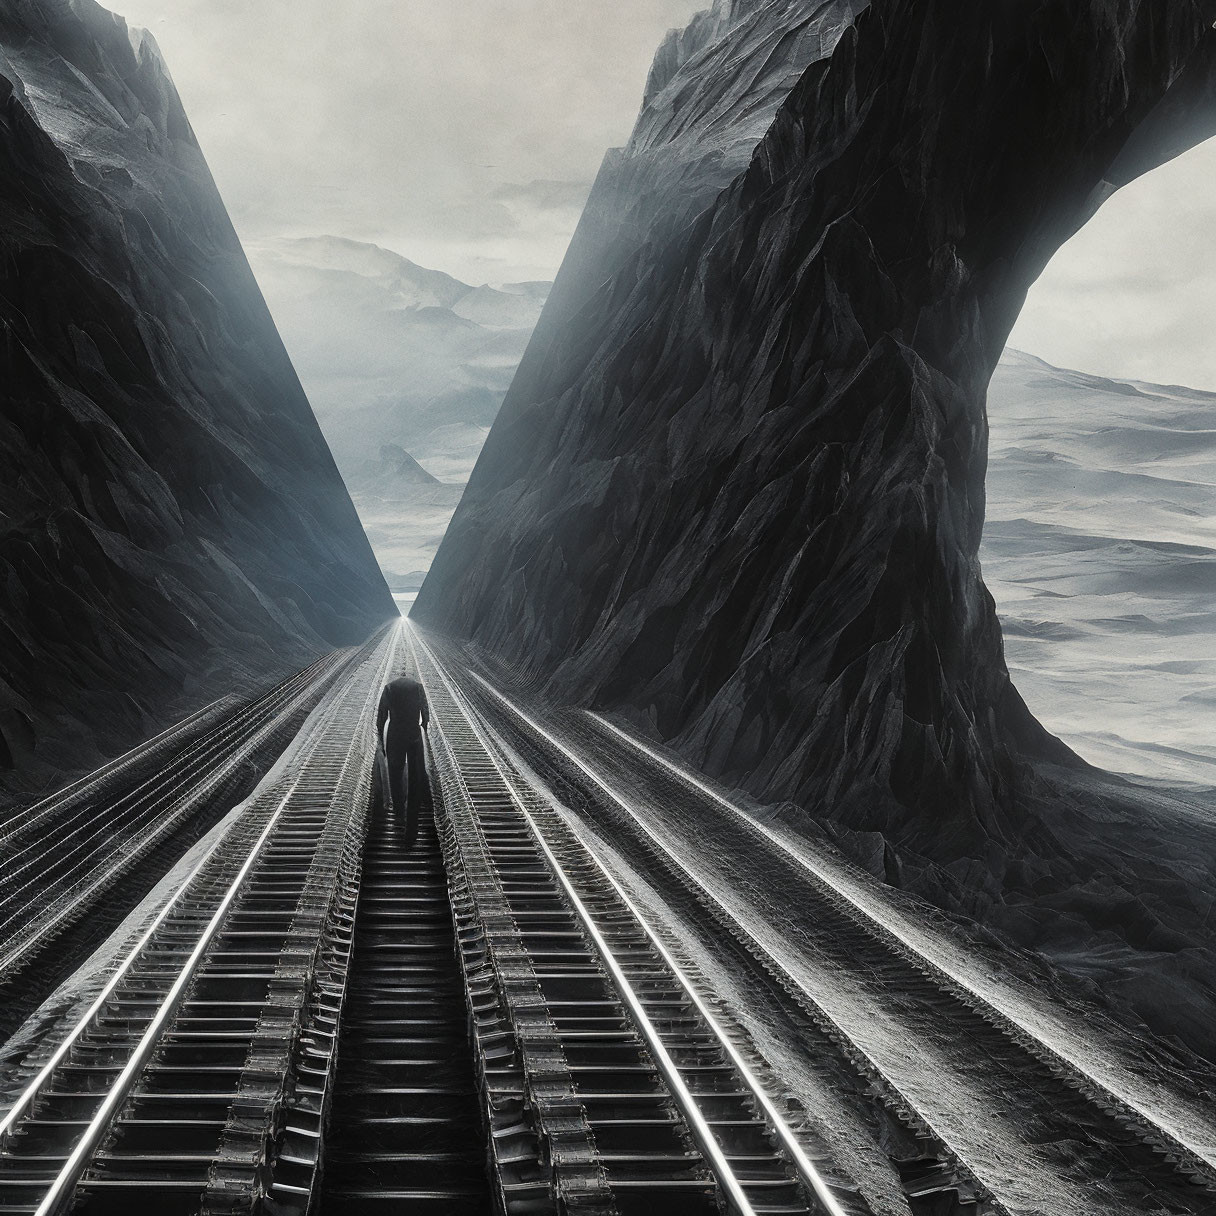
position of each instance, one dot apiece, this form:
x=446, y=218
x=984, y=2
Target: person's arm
x=425, y=709
x=381, y=716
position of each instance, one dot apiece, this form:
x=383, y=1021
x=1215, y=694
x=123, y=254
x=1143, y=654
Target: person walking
x=403, y=706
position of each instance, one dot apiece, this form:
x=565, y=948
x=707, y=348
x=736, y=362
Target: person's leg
x=418, y=786
x=396, y=757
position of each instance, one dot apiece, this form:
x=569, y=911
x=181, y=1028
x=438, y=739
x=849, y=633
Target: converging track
x=553, y=1001
x=161, y=1097
x=650, y=1104
x=995, y=1111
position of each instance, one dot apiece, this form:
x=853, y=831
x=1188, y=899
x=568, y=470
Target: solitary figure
x=403, y=705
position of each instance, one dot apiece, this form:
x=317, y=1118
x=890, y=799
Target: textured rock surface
x=739, y=497
x=172, y=525
x=712, y=92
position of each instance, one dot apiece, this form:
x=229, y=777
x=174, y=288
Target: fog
x=464, y=136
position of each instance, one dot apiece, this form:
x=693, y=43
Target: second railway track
x=955, y=1072
x=639, y=1101
x=71, y=866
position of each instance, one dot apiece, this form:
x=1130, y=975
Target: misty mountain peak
x=388, y=281
x=397, y=462
x=410, y=285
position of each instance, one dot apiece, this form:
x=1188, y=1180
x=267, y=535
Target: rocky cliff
x=712, y=92
x=172, y=525
x=739, y=497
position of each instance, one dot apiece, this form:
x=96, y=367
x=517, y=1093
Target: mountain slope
x=712, y=92
x=172, y=524
x=748, y=496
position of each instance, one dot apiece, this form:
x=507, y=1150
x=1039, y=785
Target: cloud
x=546, y=195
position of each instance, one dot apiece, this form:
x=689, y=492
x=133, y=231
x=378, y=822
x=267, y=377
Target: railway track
x=529, y=1011
x=638, y=1100
x=122, y=772
x=406, y=1131
x=163, y=1096
x=64, y=860
x=869, y=994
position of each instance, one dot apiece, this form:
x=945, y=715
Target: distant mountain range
x=406, y=368
x=391, y=352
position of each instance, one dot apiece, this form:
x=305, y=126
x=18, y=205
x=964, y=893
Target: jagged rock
x=399, y=467
x=172, y=525
x=710, y=96
x=738, y=494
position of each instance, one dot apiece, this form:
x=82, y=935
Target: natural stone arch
x=748, y=499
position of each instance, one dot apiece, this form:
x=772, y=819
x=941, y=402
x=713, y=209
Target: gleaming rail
x=671, y=1113
x=319, y=1020
x=162, y=1096
x=61, y=858
x=1146, y=1157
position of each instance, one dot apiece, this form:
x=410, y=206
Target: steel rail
x=26, y=816
x=704, y=1136
x=26, y=1098
x=213, y=736
x=62, y=1189
x=813, y=1178
x=69, y=909
x=118, y=822
x=1206, y=1153
x=122, y=852
x=542, y=1123
x=1099, y=1095
x=709, y=1145
x=690, y=875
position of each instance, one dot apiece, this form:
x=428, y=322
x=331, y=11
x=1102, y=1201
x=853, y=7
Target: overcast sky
x=1133, y=294
x=464, y=134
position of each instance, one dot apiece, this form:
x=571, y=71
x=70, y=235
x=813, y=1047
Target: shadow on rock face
x=173, y=526
x=739, y=495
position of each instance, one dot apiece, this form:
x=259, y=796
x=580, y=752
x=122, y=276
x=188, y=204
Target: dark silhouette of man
x=403, y=705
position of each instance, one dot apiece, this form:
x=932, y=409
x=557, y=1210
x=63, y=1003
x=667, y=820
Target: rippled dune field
x=1100, y=548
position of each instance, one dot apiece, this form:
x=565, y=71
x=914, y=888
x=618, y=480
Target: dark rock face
x=172, y=525
x=739, y=496
x=712, y=92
